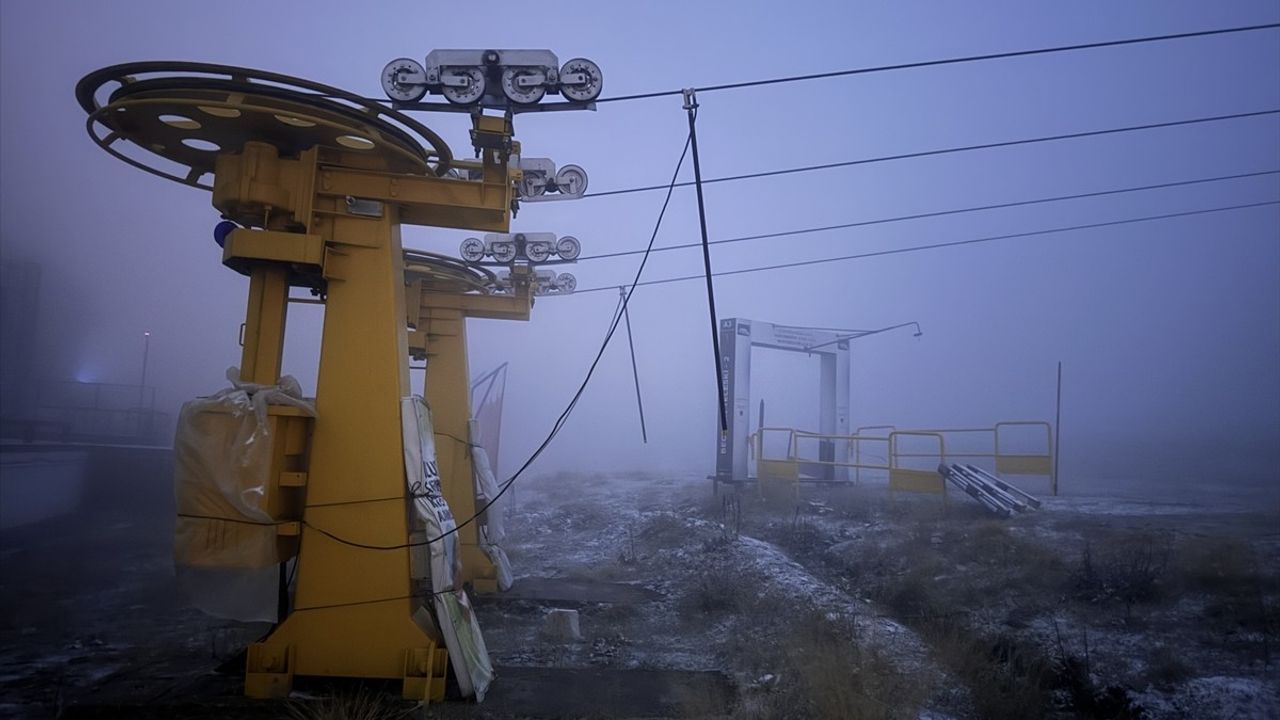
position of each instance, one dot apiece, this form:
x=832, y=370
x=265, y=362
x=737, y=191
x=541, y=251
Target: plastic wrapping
x=431, y=519
x=225, y=551
x=492, y=529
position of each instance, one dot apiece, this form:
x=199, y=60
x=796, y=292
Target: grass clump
x=1239, y=590
x=823, y=673
x=1134, y=570
x=360, y=704
x=1006, y=679
x=1166, y=668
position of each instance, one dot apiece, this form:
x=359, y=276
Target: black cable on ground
x=935, y=246
x=948, y=151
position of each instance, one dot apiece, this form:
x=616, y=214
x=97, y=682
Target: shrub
x=1132, y=573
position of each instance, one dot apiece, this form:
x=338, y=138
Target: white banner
x=430, y=518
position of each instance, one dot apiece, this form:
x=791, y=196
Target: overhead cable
x=949, y=61
x=947, y=151
x=935, y=246
x=936, y=213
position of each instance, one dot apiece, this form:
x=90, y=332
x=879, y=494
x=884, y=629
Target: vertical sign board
x=724, y=460
x=735, y=375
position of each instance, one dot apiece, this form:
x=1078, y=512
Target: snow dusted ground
x=717, y=590
x=670, y=536
x=1215, y=697
x=755, y=599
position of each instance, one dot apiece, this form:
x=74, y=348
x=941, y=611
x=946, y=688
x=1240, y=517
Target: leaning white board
x=455, y=616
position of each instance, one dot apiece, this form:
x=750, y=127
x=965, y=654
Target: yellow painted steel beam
x=354, y=605
x=355, y=602
x=257, y=186
x=243, y=248
x=448, y=393
x=353, y=613
x=264, y=324
x=328, y=218
x=426, y=200
x=492, y=307
x=439, y=334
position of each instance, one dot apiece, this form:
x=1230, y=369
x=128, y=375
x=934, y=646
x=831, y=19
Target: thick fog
x=1168, y=331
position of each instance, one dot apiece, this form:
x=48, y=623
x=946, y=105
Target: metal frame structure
x=737, y=339
x=319, y=182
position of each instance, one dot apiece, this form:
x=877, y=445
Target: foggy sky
x=1169, y=331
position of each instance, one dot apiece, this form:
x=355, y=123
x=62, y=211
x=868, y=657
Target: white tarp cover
x=492, y=530
x=430, y=518
x=225, y=552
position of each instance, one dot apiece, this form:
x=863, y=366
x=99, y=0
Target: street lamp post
x=142, y=385
x=146, y=350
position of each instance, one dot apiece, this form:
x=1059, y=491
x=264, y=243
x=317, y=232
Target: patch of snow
x=1214, y=698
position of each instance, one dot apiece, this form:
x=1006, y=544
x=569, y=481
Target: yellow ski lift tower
x=318, y=182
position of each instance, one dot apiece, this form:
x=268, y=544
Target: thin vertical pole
x=143, y=426
x=635, y=371
x=691, y=106
x=1057, y=432
x=142, y=385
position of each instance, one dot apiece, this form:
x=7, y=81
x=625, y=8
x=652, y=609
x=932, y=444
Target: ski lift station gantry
x=737, y=338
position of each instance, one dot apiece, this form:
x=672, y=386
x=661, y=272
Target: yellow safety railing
x=1026, y=464
x=952, y=444
x=915, y=479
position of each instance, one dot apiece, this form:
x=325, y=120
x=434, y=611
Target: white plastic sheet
x=492, y=529
x=225, y=551
x=430, y=518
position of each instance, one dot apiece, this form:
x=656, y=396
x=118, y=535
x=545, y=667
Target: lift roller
x=492, y=78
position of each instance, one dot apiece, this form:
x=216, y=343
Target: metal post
x=691, y=107
x=635, y=371
x=146, y=350
x=142, y=385
x=1057, y=433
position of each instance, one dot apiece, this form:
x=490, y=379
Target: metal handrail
x=1026, y=463
x=893, y=445
x=1048, y=433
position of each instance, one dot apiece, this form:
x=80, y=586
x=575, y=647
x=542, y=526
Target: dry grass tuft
x=1239, y=588
x=1166, y=668
x=821, y=673
x=1006, y=679
x=363, y=704
x=716, y=592
x=1132, y=569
